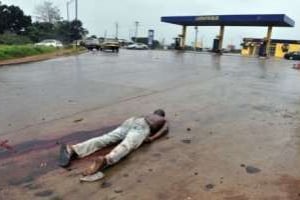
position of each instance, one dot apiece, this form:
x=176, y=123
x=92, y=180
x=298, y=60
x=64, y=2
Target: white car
x=137, y=46
x=50, y=43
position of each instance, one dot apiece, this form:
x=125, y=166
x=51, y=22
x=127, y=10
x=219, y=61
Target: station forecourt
x=250, y=46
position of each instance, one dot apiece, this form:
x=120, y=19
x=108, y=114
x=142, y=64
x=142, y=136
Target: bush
x=18, y=51
x=13, y=39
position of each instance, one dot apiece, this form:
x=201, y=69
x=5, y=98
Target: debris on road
x=92, y=178
x=209, y=186
x=78, y=120
x=252, y=170
x=118, y=190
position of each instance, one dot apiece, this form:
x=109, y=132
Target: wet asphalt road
x=234, y=124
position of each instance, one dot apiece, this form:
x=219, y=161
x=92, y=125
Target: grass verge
x=20, y=51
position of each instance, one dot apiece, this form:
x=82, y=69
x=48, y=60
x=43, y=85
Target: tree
x=64, y=31
x=41, y=30
x=76, y=30
x=47, y=12
x=13, y=19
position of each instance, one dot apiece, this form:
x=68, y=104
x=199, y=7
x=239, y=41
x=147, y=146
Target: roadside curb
x=41, y=57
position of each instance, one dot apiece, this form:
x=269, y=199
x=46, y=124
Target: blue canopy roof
x=279, y=20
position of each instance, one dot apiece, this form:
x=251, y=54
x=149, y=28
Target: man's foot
x=66, y=155
x=97, y=164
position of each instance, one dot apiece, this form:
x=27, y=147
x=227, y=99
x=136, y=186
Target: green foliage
x=40, y=31
x=13, y=19
x=11, y=39
x=18, y=51
x=64, y=31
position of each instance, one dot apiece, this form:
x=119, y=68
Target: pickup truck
x=110, y=44
x=92, y=43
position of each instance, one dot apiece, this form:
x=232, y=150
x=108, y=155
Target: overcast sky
x=99, y=16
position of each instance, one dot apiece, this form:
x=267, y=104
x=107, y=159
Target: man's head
x=160, y=112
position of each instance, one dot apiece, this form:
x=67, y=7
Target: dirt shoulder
x=41, y=57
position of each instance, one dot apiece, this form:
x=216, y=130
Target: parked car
x=50, y=43
x=110, y=44
x=295, y=55
x=92, y=43
x=137, y=46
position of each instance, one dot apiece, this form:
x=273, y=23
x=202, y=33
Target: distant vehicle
x=110, y=44
x=50, y=43
x=92, y=43
x=137, y=46
x=295, y=55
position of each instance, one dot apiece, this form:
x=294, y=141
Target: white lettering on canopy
x=207, y=18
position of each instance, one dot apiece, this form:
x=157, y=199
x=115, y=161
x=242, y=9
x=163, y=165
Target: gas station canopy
x=276, y=20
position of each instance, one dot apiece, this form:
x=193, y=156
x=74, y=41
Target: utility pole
x=196, y=37
x=117, y=30
x=68, y=13
x=105, y=34
x=76, y=9
x=202, y=42
x=136, y=30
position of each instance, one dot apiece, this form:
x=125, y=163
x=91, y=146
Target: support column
x=183, y=37
x=268, y=40
x=221, y=37
x=196, y=38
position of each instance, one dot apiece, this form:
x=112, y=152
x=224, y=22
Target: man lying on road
x=132, y=133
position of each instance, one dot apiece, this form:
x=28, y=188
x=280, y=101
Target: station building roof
x=278, y=20
x=258, y=40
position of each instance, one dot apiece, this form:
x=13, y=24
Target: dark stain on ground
x=156, y=155
x=290, y=185
x=21, y=180
x=26, y=168
x=37, y=145
x=44, y=193
x=263, y=108
x=188, y=129
x=186, y=141
x=106, y=184
x=252, y=170
x=4, y=144
x=209, y=186
x=287, y=116
x=32, y=186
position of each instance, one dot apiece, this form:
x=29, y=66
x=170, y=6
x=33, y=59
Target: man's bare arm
x=163, y=131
